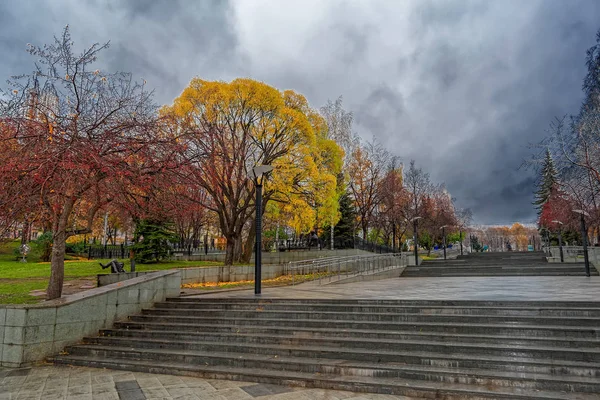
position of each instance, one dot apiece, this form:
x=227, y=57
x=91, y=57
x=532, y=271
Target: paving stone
x=79, y=390
x=18, y=372
x=164, y=387
x=25, y=395
x=106, y=396
x=54, y=394
x=540, y=288
x=179, y=391
x=102, y=379
x=157, y=392
x=87, y=396
x=149, y=383
x=126, y=385
x=132, y=395
x=103, y=388
x=120, y=376
x=56, y=383
x=169, y=380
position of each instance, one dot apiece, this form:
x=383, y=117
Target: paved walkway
x=521, y=288
x=78, y=383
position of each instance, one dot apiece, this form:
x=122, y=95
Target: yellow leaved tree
x=227, y=128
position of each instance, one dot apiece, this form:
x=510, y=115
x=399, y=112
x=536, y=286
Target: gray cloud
x=460, y=86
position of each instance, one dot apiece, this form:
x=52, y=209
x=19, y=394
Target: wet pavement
x=517, y=288
x=80, y=383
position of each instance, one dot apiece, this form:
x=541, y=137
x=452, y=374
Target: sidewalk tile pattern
x=80, y=383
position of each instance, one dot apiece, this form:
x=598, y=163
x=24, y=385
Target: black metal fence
x=315, y=243
x=108, y=251
x=122, y=251
x=197, y=248
x=362, y=244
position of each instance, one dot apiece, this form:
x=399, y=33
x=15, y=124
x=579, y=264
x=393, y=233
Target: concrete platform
x=528, y=288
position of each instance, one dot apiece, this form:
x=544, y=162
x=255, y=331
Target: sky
x=460, y=86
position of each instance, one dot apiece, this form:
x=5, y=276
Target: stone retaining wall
x=203, y=274
x=30, y=333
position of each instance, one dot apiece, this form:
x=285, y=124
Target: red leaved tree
x=75, y=137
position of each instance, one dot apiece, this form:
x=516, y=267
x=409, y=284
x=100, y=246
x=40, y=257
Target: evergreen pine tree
x=152, y=240
x=343, y=231
x=548, y=178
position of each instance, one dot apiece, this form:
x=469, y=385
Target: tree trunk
x=237, y=250
x=25, y=231
x=250, y=243
x=57, y=269
x=57, y=262
x=229, y=250
x=331, y=240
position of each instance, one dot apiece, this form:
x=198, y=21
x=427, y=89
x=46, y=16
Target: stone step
x=358, y=368
x=353, y=339
x=372, y=316
x=420, y=389
x=497, y=261
x=533, y=266
x=409, y=273
x=189, y=332
x=499, y=270
x=366, y=348
x=372, y=302
x=428, y=310
x=497, y=267
x=436, y=349
x=499, y=328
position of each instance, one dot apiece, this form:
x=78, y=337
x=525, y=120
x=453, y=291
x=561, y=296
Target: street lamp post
x=443, y=228
x=258, y=173
x=461, y=240
x=583, y=214
x=416, y=239
x=560, y=224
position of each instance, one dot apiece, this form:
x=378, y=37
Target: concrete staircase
x=496, y=264
x=417, y=348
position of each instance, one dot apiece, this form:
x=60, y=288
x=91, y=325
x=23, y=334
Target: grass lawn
x=18, y=279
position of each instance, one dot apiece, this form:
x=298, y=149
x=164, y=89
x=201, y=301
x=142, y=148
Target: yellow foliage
x=285, y=132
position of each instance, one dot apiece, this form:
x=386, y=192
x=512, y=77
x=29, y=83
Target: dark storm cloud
x=460, y=86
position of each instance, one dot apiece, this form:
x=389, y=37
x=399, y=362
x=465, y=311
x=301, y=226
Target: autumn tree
x=520, y=236
x=339, y=129
x=76, y=134
x=417, y=185
x=366, y=169
x=464, y=217
x=574, y=143
x=389, y=218
x=339, y=126
x=229, y=128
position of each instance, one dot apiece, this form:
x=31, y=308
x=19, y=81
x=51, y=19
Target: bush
x=75, y=248
x=42, y=247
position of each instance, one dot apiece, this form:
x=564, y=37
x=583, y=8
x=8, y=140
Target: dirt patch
x=69, y=287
